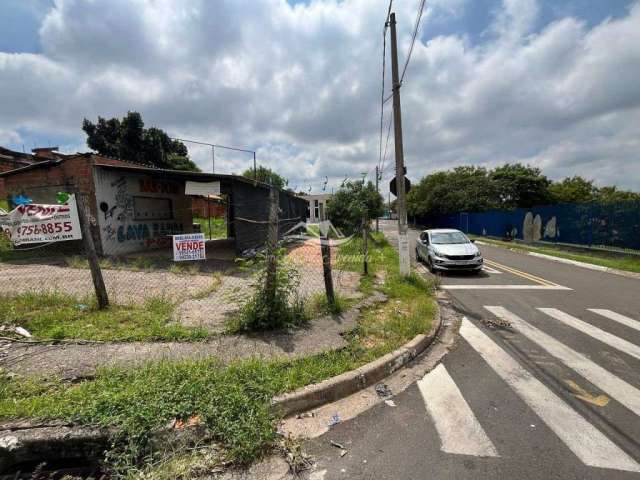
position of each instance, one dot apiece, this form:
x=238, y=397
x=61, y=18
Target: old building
x=135, y=208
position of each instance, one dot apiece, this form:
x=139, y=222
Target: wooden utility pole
x=272, y=244
x=325, y=248
x=92, y=256
x=365, y=243
x=403, y=241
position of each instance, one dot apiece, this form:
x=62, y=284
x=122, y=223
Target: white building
x=317, y=210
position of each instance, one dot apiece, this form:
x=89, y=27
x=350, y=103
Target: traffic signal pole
x=403, y=240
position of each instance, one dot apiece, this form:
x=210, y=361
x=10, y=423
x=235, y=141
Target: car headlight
x=478, y=255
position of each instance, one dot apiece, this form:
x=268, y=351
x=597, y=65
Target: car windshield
x=448, y=238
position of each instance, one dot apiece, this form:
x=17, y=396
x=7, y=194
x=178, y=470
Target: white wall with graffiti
x=137, y=212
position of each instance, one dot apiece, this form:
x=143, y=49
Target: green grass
x=218, y=227
x=232, y=400
x=630, y=264
x=57, y=316
x=4, y=205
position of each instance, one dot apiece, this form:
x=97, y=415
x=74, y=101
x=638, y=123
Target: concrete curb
x=348, y=383
x=590, y=266
x=567, y=261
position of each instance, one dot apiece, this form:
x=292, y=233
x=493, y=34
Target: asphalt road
x=554, y=396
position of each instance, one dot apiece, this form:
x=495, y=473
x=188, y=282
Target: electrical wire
x=416, y=27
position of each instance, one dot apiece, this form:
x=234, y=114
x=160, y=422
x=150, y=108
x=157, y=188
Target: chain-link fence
x=134, y=243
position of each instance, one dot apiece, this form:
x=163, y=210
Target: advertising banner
x=39, y=223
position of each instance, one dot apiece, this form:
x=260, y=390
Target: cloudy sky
x=552, y=83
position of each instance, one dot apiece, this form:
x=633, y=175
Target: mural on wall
x=532, y=228
x=138, y=212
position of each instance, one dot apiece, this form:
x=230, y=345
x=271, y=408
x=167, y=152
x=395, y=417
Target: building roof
x=187, y=175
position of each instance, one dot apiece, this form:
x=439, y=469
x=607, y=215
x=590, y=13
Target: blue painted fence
x=607, y=225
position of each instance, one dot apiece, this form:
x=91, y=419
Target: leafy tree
x=520, y=185
x=129, y=140
x=351, y=202
x=265, y=175
x=612, y=195
x=573, y=190
x=466, y=188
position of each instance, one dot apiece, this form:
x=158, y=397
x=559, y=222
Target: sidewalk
x=75, y=361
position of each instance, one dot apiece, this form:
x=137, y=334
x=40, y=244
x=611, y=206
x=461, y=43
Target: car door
x=422, y=245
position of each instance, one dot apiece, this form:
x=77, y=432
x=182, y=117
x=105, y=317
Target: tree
x=265, y=175
x=463, y=189
x=129, y=140
x=351, y=202
x=612, y=195
x=520, y=186
x=573, y=190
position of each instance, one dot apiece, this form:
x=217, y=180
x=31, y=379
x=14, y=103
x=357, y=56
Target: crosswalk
x=462, y=433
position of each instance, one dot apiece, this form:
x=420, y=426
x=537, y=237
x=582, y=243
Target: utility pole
x=255, y=171
x=213, y=159
x=403, y=240
x=377, y=191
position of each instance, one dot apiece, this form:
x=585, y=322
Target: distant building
x=317, y=210
x=10, y=160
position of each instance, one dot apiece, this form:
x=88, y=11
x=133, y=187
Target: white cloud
x=302, y=84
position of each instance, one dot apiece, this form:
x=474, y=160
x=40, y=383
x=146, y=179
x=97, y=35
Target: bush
x=285, y=309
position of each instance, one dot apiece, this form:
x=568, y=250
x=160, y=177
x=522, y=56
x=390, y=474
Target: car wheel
x=430, y=265
x=418, y=259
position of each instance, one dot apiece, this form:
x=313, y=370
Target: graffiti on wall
x=130, y=222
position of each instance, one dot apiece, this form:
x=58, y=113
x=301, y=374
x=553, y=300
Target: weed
x=282, y=309
x=49, y=315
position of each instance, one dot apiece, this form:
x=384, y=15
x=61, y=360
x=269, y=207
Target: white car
x=445, y=249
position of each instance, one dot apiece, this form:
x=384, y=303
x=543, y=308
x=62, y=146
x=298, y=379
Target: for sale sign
x=39, y=223
x=188, y=247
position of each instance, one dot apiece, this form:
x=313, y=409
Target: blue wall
x=615, y=224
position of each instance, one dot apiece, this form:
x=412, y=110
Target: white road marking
x=490, y=270
x=626, y=394
x=605, y=337
x=583, y=439
x=504, y=287
x=459, y=430
x=616, y=317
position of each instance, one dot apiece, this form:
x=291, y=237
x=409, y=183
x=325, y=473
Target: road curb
x=590, y=266
x=348, y=383
x=567, y=261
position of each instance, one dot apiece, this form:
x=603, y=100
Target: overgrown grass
x=318, y=305
x=631, y=264
x=218, y=227
x=58, y=316
x=4, y=205
x=232, y=400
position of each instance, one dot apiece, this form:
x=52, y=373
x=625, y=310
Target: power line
x=384, y=158
x=413, y=39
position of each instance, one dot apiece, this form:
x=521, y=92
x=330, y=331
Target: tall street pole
x=377, y=191
x=403, y=240
x=213, y=159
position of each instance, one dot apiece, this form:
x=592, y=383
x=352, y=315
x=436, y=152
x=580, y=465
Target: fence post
x=326, y=269
x=365, y=246
x=92, y=256
x=272, y=244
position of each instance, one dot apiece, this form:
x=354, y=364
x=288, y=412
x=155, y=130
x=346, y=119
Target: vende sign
x=38, y=223
x=188, y=247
